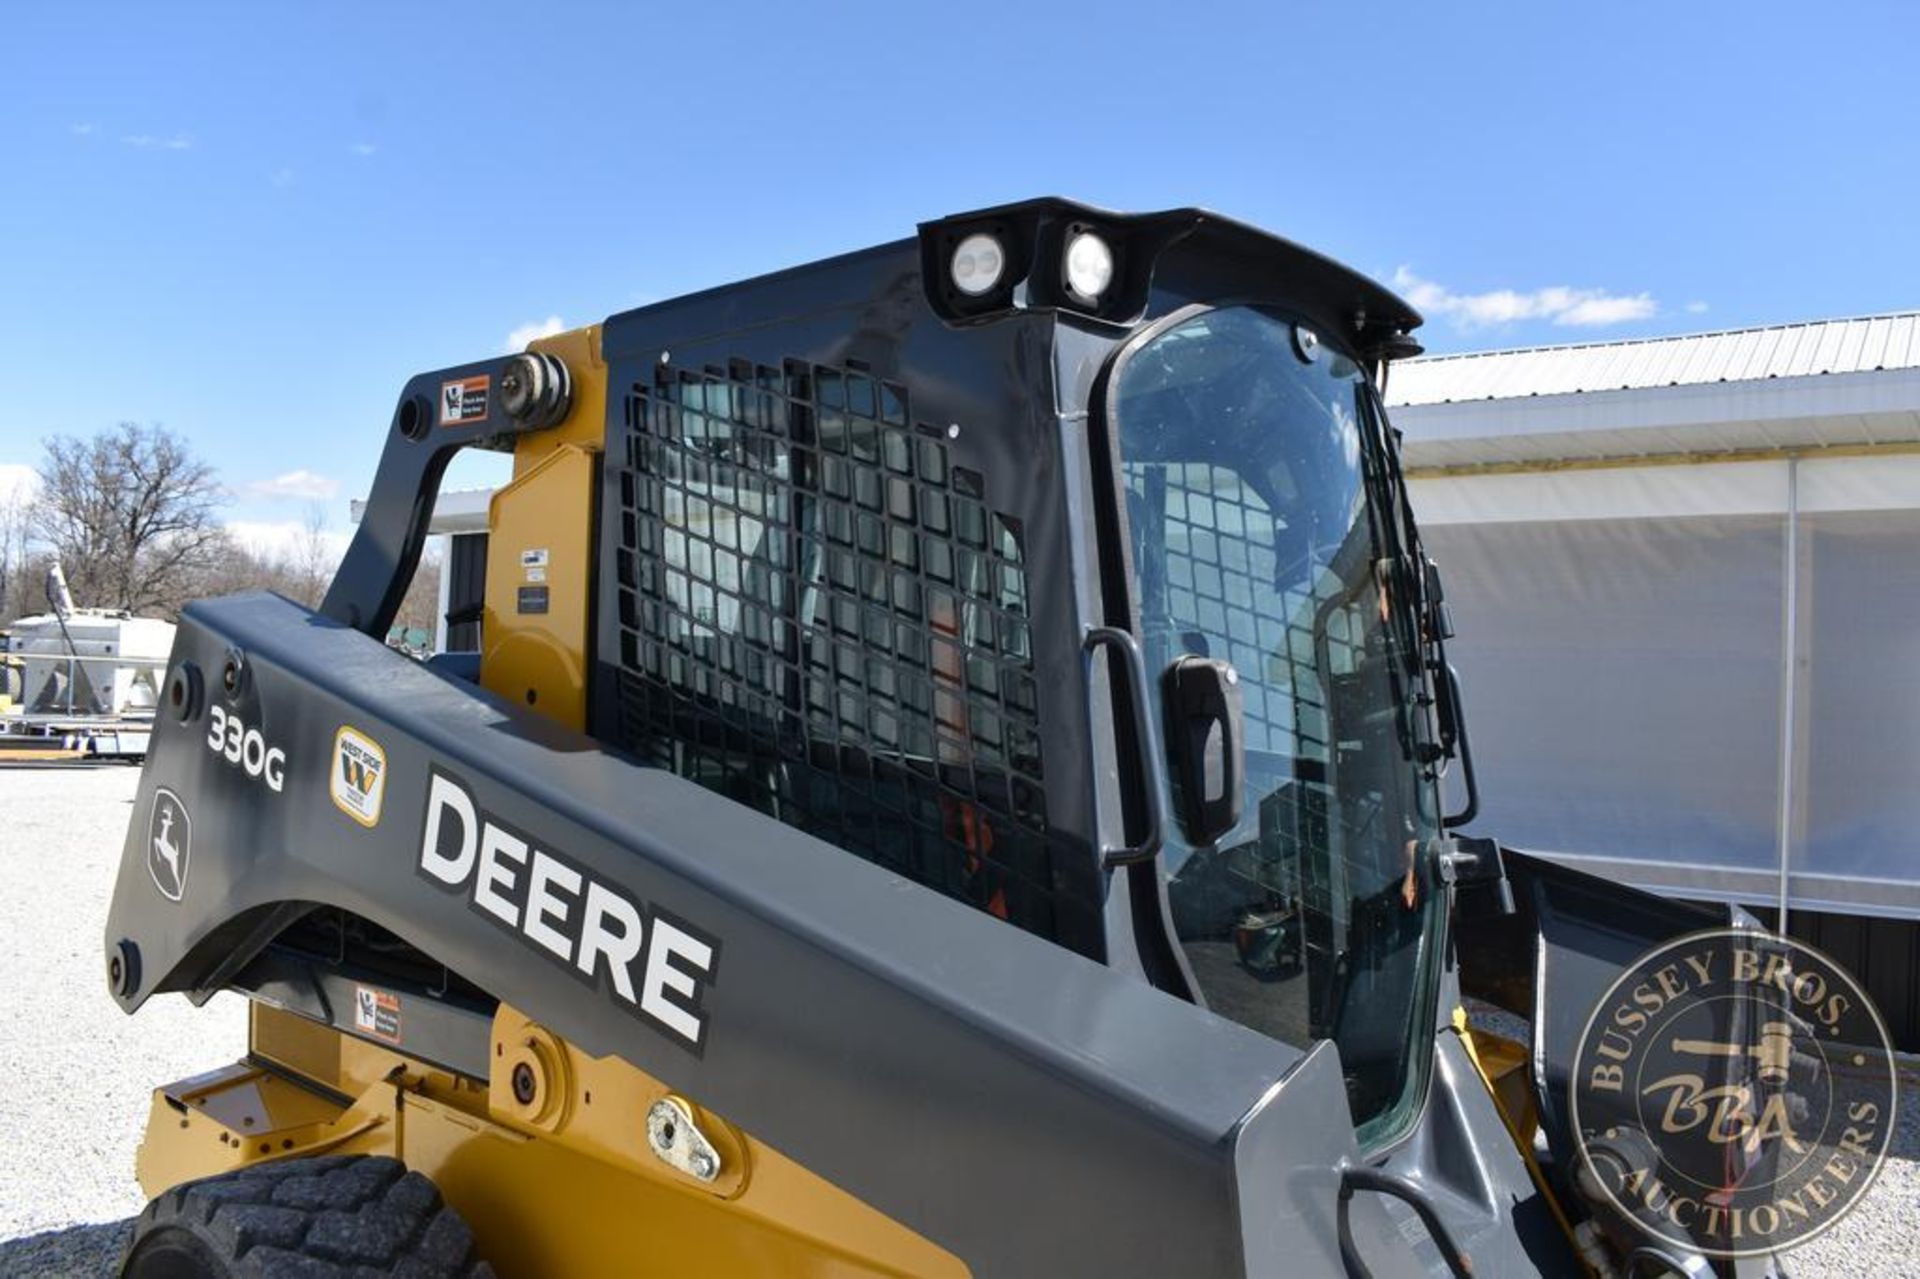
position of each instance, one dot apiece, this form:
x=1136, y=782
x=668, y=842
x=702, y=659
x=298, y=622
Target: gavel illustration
x=1774, y=1052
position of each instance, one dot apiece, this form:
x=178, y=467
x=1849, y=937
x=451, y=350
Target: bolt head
x=233, y=671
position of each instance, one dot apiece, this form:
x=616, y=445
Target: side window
x=824, y=616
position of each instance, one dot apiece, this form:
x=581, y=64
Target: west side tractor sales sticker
x=358, y=782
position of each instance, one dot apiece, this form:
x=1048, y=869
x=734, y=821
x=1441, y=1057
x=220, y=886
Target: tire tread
x=327, y=1217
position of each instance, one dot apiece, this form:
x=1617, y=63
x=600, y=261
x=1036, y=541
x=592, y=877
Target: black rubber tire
x=334, y=1217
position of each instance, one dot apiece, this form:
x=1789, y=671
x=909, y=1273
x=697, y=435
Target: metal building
x=1687, y=576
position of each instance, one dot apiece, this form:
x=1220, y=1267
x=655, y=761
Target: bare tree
x=16, y=556
x=313, y=559
x=420, y=607
x=130, y=514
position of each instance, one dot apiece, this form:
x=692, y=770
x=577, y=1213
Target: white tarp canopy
x=1689, y=673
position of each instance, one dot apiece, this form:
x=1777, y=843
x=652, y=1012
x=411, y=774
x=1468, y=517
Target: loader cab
x=1055, y=561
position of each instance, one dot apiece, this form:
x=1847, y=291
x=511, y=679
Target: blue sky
x=251, y=224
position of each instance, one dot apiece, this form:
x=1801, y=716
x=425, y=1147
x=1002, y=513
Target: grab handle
x=1127, y=660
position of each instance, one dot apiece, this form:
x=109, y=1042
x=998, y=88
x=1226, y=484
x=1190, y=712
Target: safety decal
x=651, y=964
x=376, y=1012
x=464, y=400
x=358, y=782
x=169, y=844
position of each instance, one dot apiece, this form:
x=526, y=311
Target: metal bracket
x=678, y=1142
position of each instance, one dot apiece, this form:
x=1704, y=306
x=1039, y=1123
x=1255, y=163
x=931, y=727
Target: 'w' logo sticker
x=359, y=781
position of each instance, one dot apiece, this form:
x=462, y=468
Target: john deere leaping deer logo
x=1732, y=1094
x=169, y=844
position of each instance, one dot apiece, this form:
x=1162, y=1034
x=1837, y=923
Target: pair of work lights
x=980, y=260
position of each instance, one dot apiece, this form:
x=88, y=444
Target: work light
x=977, y=264
x=1089, y=265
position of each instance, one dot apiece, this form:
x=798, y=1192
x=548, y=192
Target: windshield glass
x=1261, y=535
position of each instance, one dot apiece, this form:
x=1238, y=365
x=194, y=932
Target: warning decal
x=377, y=1013
x=463, y=401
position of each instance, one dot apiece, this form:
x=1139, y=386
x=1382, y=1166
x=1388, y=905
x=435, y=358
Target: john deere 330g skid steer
x=950, y=784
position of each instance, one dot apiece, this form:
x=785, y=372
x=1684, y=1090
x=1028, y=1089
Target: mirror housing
x=1206, y=746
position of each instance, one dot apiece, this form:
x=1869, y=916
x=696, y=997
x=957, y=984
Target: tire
x=334, y=1217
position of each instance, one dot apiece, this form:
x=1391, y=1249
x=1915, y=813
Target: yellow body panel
x=534, y=657
x=540, y=547
x=564, y=1185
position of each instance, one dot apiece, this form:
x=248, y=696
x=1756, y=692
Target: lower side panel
x=555, y=1176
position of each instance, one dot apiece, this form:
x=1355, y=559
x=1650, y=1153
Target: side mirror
x=1453, y=740
x=1206, y=746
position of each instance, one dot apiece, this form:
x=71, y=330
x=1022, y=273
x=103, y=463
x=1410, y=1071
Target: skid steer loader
x=951, y=783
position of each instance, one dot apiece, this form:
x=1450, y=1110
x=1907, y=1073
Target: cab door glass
x=1250, y=476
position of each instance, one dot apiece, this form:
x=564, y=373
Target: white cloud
x=1582, y=308
x=518, y=339
x=1603, y=308
x=149, y=142
x=1696, y=308
x=284, y=539
x=363, y=148
x=308, y=485
x=18, y=483
x=281, y=178
x=83, y=130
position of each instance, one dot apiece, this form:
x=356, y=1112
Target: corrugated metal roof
x=1861, y=345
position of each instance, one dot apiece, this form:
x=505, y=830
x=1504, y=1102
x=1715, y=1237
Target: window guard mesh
x=821, y=616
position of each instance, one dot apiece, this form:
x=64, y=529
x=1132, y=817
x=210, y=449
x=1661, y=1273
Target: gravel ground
x=1879, y=1237
x=72, y=1116
x=66, y=1167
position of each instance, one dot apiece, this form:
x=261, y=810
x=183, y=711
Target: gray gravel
x=1879, y=1237
x=1882, y=1235
x=71, y=1117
